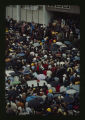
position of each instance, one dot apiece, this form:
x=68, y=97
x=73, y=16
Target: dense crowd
x=39, y=52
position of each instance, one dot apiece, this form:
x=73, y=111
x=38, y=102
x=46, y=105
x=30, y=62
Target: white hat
x=13, y=44
x=45, y=56
x=34, y=59
x=19, y=108
x=78, y=75
x=24, y=35
x=74, y=49
x=49, y=67
x=28, y=37
x=64, y=75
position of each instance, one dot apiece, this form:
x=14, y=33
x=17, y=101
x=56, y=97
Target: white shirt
x=32, y=53
x=64, y=55
x=35, y=74
x=62, y=63
x=45, y=56
x=64, y=78
x=58, y=63
x=62, y=89
x=44, y=97
x=28, y=110
x=49, y=73
x=49, y=67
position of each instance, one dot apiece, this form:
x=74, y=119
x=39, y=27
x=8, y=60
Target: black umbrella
x=60, y=72
x=56, y=95
x=54, y=83
x=34, y=103
x=68, y=99
x=54, y=47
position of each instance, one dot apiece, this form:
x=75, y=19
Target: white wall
x=41, y=16
x=46, y=16
x=14, y=13
x=9, y=11
x=23, y=14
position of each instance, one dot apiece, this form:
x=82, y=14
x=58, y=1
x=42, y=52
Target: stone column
x=18, y=13
x=44, y=15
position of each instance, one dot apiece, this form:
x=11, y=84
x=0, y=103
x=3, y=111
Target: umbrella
x=30, y=98
x=59, y=43
x=68, y=99
x=35, y=103
x=67, y=42
x=76, y=58
x=56, y=79
x=15, y=83
x=76, y=87
x=53, y=83
x=56, y=95
x=43, y=40
x=16, y=78
x=21, y=54
x=9, y=72
x=26, y=72
x=36, y=44
x=41, y=77
x=62, y=89
x=63, y=46
x=77, y=95
x=55, y=45
x=71, y=91
x=11, y=78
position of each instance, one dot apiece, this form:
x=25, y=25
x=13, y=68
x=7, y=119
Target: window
x=66, y=6
x=59, y=6
x=50, y=5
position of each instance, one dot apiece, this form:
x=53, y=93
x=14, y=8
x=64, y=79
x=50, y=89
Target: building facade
x=41, y=14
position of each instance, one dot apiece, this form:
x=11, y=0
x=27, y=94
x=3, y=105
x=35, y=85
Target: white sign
x=41, y=83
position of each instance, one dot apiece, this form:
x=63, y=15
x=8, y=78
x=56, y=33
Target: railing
x=59, y=6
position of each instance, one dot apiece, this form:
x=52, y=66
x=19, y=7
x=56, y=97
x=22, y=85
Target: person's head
x=44, y=84
x=9, y=105
x=10, y=87
x=37, y=84
x=49, y=110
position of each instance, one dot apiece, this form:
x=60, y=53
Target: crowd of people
x=40, y=52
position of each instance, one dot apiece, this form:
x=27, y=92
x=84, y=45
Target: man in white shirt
x=49, y=73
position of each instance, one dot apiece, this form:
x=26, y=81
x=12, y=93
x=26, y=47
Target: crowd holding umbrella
x=42, y=69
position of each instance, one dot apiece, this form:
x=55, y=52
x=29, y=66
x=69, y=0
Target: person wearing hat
x=50, y=95
x=54, y=41
x=32, y=64
x=10, y=110
x=50, y=90
x=60, y=110
x=49, y=73
x=49, y=111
